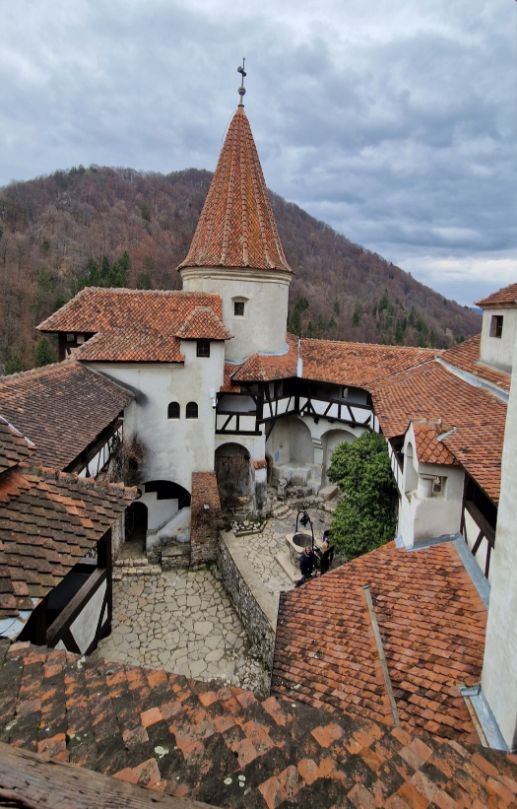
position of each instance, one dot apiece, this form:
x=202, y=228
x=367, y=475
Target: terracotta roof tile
x=203, y=324
x=429, y=448
x=465, y=356
x=432, y=392
x=229, y=385
x=48, y=521
x=132, y=325
x=357, y=364
x=237, y=227
x=14, y=448
x=507, y=296
x=267, y=367
x=130, y=345
x=225, y=746
x=62, y=408
x=432, y=624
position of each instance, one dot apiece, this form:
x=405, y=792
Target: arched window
x=173, y=411
x=191, y=411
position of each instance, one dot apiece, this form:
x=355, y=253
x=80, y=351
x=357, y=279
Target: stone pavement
x=181, y=621
x=256, y=556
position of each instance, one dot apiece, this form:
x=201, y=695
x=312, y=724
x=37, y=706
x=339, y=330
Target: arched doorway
x=233, y=471
x=136, y=526
x=330, y=440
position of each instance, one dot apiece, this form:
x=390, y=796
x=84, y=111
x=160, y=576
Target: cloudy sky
x=394, y=122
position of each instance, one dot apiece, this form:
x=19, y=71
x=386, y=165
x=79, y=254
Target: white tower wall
x=262, y=328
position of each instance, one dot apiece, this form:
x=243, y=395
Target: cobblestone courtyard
x=181, y=621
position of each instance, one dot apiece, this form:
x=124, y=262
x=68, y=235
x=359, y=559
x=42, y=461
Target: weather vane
x=242, y=89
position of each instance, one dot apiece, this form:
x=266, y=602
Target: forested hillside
x=120, y=227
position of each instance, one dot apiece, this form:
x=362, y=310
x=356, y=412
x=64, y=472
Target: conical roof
x=237, y=227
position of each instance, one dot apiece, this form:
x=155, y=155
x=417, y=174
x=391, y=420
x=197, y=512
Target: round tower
x=236, y=250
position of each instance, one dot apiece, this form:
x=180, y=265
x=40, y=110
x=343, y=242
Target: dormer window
x=203, y=348
x=239, y=306
x=496, y=326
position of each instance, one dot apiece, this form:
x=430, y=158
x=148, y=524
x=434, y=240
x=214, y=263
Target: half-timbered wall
x=478, y=525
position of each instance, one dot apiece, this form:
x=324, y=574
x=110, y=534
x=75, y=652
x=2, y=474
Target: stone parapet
x=257, y=614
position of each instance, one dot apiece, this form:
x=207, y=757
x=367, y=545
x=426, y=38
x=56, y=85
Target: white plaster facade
x=265, y=294
x=498, y=351
x=499, y=677
x=431, y=497
x=174, y=448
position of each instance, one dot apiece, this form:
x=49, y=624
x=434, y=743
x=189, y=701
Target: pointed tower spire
x=237, y=227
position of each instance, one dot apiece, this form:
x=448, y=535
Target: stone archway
x=330, y=440
x=233, y=471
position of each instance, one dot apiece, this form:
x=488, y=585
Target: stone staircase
x=138, y=566
x=280, y=510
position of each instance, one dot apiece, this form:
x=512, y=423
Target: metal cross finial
x=242, y=89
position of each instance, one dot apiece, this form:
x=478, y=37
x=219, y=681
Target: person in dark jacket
x=306, y=565
x=327, y=555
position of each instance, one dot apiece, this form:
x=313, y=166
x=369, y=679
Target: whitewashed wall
x=422, y=516
x=266, y=292
x=174, y=448
x=499, y=675
x=498, y=350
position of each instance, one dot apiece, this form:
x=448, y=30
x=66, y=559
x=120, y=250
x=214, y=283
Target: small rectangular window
x=496, y=326
x=203, y=348
x=238, y=308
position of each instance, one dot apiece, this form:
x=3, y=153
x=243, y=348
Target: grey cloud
x=397, y=127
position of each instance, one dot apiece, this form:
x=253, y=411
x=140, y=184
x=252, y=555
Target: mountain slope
x=55, y=231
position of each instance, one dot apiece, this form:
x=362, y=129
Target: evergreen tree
x=43, y=353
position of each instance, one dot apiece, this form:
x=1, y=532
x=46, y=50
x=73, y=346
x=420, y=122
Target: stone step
x=280, y=511
x=284, y=560
x=175, y=556
x=149, y=570
x=138, y=561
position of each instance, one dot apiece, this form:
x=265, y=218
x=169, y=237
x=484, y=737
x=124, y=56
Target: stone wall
x=259, y=626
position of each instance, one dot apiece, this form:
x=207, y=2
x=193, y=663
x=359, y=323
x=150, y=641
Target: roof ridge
x=86, y=482
x=372, y=345
x=40, y=371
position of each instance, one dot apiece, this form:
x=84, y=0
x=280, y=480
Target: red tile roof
x=48, y=521
x=237, y=227
x=229, y=386
x=14, y=448
x=432, y=624
x=62, y=408
x=507, y=296
x=429, y=448
x=357, y=364
x=228, y=747
x=432, y=392
x=135, y=325
x=203, y=324
x=267, y=367
x=465, y=356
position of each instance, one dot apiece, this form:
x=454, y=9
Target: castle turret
x=236, y=250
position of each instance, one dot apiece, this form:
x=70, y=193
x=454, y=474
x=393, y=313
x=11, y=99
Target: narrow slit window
x=238, y=308
x=496, y=326
x=191, y=410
